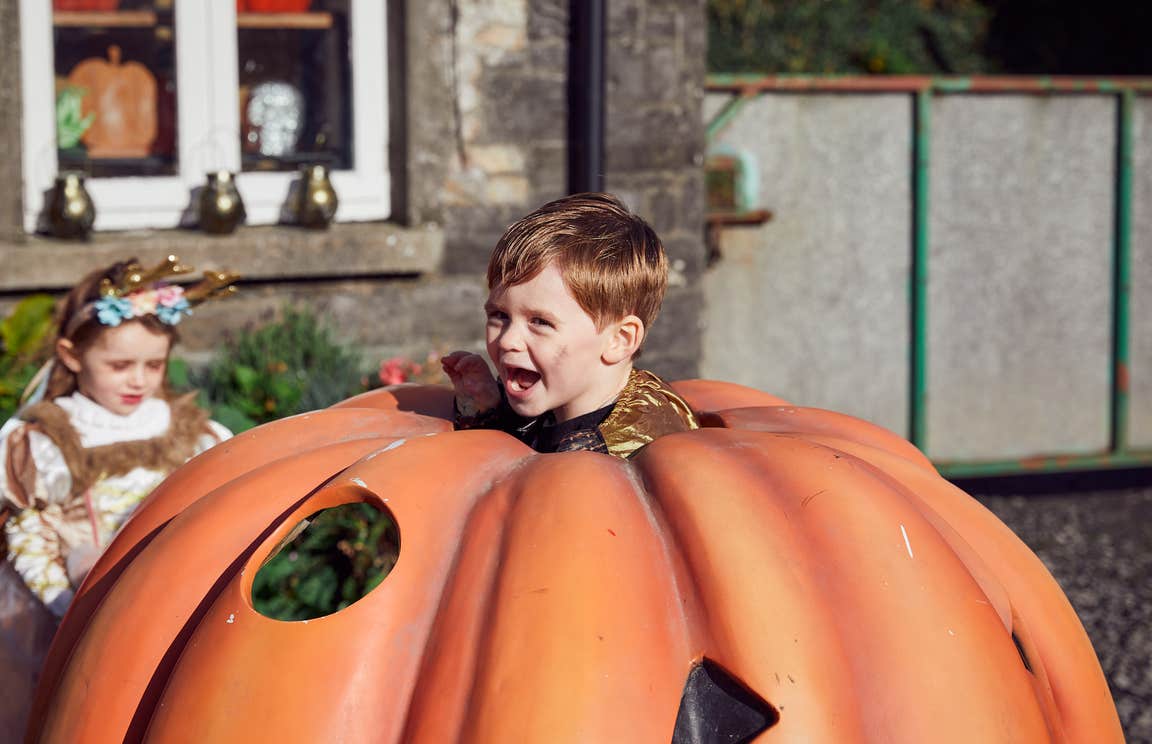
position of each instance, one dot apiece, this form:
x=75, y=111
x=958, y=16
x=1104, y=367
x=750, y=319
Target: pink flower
x=394, y=371
x=170, y=295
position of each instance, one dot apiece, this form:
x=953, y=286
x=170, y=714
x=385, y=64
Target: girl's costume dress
x=72, y=473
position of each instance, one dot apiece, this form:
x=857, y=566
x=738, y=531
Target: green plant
x=340, y=556
x=71, y=124
x=24, y=336
x=280, y=369
x=849, y=36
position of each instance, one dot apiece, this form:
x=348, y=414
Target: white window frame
x=208, y=124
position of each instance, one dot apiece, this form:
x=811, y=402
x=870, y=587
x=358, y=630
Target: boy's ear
x=67, y=353
x=625, y=339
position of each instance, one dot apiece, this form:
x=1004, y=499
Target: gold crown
x=213, y=285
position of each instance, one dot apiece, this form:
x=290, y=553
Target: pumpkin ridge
x=1059, y=638
x=536, y=599
x=427, y=515
x=982, y=575
x=721, y=461
x=571, y=661
x=808, y=421
x=884, y=487
x=168, y=602
x=684, y=581
x=425, y=677
x=846, y=530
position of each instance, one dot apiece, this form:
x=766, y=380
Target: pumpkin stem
x=114, y=54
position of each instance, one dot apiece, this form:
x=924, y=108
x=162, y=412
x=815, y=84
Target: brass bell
x=70, y=210
x=318, y=201
x=221, y=208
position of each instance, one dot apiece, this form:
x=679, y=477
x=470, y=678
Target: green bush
x=283, y=368
x=341, y=555
x=849, y=36
x=24, y=346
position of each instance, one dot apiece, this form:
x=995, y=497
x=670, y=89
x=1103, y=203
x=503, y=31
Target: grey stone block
x=471, y=234
x=519, y=106
x=672, y=349
x=548, y=20
x=548, y=171
x=11, y=126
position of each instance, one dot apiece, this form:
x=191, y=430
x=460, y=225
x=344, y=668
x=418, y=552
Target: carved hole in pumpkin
x=329, y=561
x=717, y=708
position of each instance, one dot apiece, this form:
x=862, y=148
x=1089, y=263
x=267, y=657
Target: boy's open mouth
x=519, y=380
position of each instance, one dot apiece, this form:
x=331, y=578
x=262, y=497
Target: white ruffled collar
x=98, y=426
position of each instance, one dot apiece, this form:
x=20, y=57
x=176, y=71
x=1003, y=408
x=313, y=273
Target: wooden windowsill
x=314, y=20
x=264, y=253
x=104, y=19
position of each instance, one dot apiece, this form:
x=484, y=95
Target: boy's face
x=547, y=350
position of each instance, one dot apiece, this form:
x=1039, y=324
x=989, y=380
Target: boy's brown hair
x=611, y=259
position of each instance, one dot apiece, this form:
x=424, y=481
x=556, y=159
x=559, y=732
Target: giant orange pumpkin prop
x=781, y=575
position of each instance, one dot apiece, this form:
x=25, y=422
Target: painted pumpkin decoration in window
x=781, y=575
x=122, y=97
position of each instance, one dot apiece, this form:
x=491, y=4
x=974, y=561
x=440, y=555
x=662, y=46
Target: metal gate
x=965, y=261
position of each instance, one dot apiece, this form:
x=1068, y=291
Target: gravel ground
x=1094, y=533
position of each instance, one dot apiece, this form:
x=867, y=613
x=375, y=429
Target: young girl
x=74, y=466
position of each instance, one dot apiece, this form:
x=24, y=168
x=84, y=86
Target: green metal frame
x=925, y=89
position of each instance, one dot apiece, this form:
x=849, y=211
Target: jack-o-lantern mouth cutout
x=844, y=590
x=717, y=709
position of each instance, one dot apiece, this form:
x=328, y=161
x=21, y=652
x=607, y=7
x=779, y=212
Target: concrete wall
x=1021, y=232
x=814, y=305
x=478, y=115
x=1140, y=336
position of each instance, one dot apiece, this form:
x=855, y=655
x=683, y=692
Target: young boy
x=573, y=288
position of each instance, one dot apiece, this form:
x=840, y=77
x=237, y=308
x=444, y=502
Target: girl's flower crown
x=147, y=292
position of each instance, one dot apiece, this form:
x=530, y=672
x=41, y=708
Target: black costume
x=647, y=408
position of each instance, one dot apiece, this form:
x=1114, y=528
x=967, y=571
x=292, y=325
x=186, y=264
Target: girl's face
x=121, y=368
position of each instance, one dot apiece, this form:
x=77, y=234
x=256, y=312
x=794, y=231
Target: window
x=148, y=96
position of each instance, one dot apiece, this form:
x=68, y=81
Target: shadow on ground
x=1094, y=533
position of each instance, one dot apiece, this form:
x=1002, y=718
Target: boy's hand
x=476, y=389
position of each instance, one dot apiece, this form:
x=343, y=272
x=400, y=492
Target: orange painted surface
x=565, y=597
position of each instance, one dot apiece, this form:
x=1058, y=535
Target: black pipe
x=586, y=95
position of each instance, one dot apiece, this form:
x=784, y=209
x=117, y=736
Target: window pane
x=115, y=87
x=295, y=92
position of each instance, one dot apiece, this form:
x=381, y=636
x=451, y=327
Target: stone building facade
x=478, y=109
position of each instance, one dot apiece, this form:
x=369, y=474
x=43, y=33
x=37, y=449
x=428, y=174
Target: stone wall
x=508, y=154
x=655, y=155
x=478, y=116
x=10, y=157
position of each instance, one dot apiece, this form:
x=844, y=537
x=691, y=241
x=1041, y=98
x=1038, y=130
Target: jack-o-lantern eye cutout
x=717, y=709
x=329, y=561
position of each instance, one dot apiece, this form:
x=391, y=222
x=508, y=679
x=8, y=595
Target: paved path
x=1096, y=539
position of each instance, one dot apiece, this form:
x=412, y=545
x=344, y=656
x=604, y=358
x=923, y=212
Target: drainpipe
x=586, y=95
